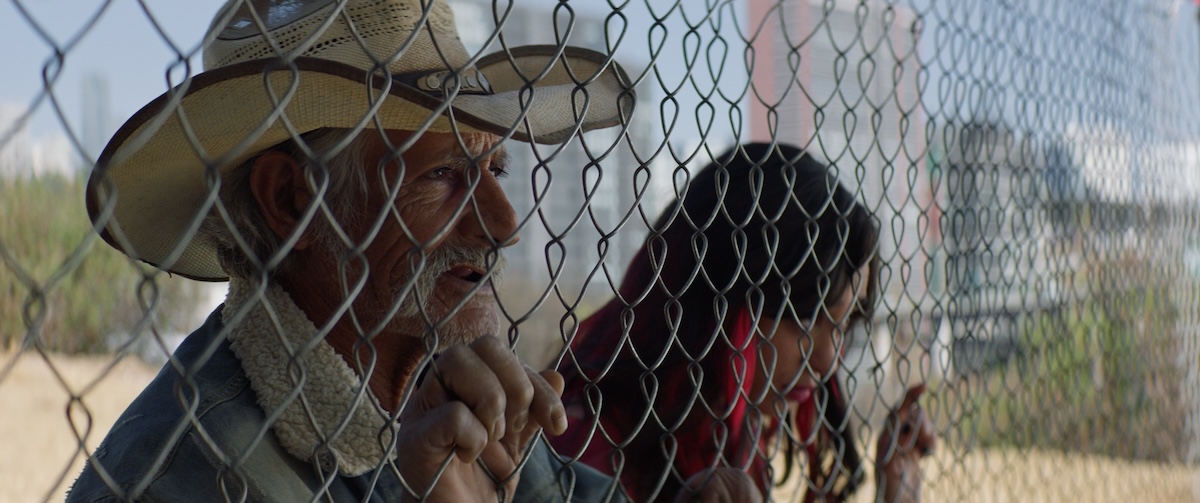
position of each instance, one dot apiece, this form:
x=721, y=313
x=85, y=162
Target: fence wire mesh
x=746, y=229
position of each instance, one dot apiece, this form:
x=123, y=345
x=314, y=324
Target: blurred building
x=839, y=78
x=22, y=155
x=98, y=124
x=582, y=203
x=14, y=141
x=998, y=232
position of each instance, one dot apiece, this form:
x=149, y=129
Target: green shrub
x=1094, y=374
x=63, y=288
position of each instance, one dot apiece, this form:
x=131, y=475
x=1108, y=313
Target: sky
x=124, y=42
x=115, y=38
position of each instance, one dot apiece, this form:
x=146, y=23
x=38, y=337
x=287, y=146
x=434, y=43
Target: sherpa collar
x=279, y=347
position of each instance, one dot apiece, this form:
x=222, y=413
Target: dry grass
x=1049, y=476
x=1002, y=476
x=41, y=457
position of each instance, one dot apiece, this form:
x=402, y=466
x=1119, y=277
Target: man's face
x=448, y=210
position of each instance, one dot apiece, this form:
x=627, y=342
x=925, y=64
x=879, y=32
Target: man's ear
x=278, y=184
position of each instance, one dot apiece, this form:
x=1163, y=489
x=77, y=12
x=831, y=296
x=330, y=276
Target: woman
x=730, y=321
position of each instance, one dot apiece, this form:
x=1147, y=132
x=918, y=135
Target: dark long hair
x=763, y=231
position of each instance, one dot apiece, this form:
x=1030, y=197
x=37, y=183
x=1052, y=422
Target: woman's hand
x=907, y=436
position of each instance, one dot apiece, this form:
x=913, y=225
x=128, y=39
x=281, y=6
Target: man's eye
x=498, y=171
x=441, y=172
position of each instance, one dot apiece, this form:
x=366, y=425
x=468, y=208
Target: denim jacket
x=198, y=433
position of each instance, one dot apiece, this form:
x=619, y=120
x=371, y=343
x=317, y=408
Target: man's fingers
x=512, y=377
x=481, y=403
x=510, y=399
x=466, y=377
x=449, y=427
x=499, y=462
x=554, y=379
x=547, y=408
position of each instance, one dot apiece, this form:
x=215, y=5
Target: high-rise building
x=23, y=156
x=585, y=200
x=14, y=141
x=98, y=125
x=840, y=80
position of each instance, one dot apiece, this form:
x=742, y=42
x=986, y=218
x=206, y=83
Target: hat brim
x=153, y=183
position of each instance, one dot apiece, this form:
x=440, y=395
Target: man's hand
x=471, y=419
x=720, y=485
x=908, y=435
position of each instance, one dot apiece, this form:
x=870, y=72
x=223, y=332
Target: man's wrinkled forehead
x=448, y=145
x=482, y=145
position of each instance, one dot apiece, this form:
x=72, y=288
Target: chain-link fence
x=996, y=200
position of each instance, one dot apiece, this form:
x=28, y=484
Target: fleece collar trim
x=318, y=406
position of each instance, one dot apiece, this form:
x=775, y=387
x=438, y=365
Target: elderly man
x=338, y=162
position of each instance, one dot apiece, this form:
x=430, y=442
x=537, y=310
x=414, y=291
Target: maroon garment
x=698, y=440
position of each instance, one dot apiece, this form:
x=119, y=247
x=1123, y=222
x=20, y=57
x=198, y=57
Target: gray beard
x=438, y=262
x=415, y=304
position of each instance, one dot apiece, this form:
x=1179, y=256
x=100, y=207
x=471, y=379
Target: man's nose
x=489, y=219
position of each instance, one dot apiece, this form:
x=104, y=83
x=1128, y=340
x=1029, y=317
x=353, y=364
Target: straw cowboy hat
x=274, y=68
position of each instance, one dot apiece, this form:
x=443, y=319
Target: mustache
x=444, y=258
x=422, y=278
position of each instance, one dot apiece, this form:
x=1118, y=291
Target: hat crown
x=364, y=34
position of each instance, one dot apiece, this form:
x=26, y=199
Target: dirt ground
x=41, y=455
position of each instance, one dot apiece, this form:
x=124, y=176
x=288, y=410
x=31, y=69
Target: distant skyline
x=98, y=121
x=124, y=48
